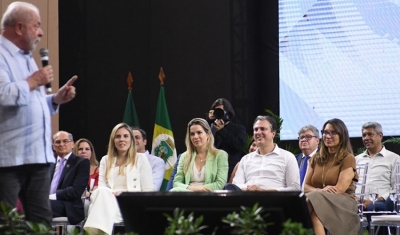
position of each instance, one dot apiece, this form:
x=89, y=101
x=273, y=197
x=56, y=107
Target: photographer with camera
x=229, y=136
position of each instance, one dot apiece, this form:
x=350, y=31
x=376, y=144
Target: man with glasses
x=381, y=167
x=69, y=178
x=308, y=144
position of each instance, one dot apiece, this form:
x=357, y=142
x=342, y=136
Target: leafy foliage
x=279, y=122
x=16, y=225
x=393, y=140
x=248, y=221
x=179, y=224
x=249, y=141
x=294, y=228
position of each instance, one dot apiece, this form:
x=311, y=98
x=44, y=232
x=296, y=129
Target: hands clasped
x=330, y=189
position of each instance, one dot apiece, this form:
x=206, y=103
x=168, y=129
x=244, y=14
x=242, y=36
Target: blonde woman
x=120, y=170
x=84, y=148
x=202, y=167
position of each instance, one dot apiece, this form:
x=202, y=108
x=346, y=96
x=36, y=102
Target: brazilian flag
x=163, y=139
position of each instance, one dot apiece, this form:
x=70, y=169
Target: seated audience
x=68, y=180
x=269, y=168
x=84, y=148
x=202, y=167
x=329, y=183
x=308, y=144
x=381, y=167
x=156, y=163
x=122, y=169
x=228, y=136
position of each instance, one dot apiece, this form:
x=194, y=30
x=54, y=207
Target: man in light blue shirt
x=157, y=164
x=25, y=110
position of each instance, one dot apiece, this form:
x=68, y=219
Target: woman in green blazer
x=202, y=167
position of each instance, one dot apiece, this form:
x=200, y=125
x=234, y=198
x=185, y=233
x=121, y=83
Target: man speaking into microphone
x=25, y=110
x=44, y=57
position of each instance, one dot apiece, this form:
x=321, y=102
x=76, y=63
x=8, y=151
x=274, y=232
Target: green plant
x=15, y=224
x=295, y=228
x=179, y=224
x=279, y=122
x=248, y=221
x=249, y=141
x=393, y=140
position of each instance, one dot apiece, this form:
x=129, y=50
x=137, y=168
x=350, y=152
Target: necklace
x=323, y=170
x=202, y=159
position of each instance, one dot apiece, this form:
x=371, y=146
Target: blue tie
x=303, y=169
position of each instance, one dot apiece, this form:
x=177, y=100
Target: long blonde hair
x=344, y=147
x=113, y=153
x=190, y=148
x=93, y=159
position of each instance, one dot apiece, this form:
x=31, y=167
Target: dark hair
x=142, y=132
x=271, y=120
x=344, y=147
x=227, y=107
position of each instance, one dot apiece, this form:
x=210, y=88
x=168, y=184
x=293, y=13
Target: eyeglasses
x=331, y=133
x=58, y=142
x=306, y=137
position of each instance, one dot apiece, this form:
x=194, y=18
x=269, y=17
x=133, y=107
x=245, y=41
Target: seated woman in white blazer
x=202, y=167
x=120, y=170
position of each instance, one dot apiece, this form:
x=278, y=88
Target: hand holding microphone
x=44, y=57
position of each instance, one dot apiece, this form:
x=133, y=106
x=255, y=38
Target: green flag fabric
x=163, y=139
x=130, y=115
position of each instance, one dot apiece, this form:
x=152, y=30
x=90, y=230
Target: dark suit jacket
x=298, y=158
x=232, y=139
x=73, y=182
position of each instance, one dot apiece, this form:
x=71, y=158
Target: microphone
x=44, y=56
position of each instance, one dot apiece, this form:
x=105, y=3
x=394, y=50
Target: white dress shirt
x=276, y=170
x=381, y=171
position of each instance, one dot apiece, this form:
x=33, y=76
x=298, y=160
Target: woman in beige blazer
x=120, y=170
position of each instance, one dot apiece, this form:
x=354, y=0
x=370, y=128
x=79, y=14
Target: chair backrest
x=362, y=171
x=397, y=187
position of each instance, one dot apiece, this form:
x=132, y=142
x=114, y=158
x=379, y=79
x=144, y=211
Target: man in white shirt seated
x=381, y=167
x=157, y=164
x=269, y=168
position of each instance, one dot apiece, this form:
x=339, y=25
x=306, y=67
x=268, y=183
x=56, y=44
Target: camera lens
x=219, y=113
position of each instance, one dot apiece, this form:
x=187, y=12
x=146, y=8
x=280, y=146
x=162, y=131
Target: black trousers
x=31, y=185
x=231, y=187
